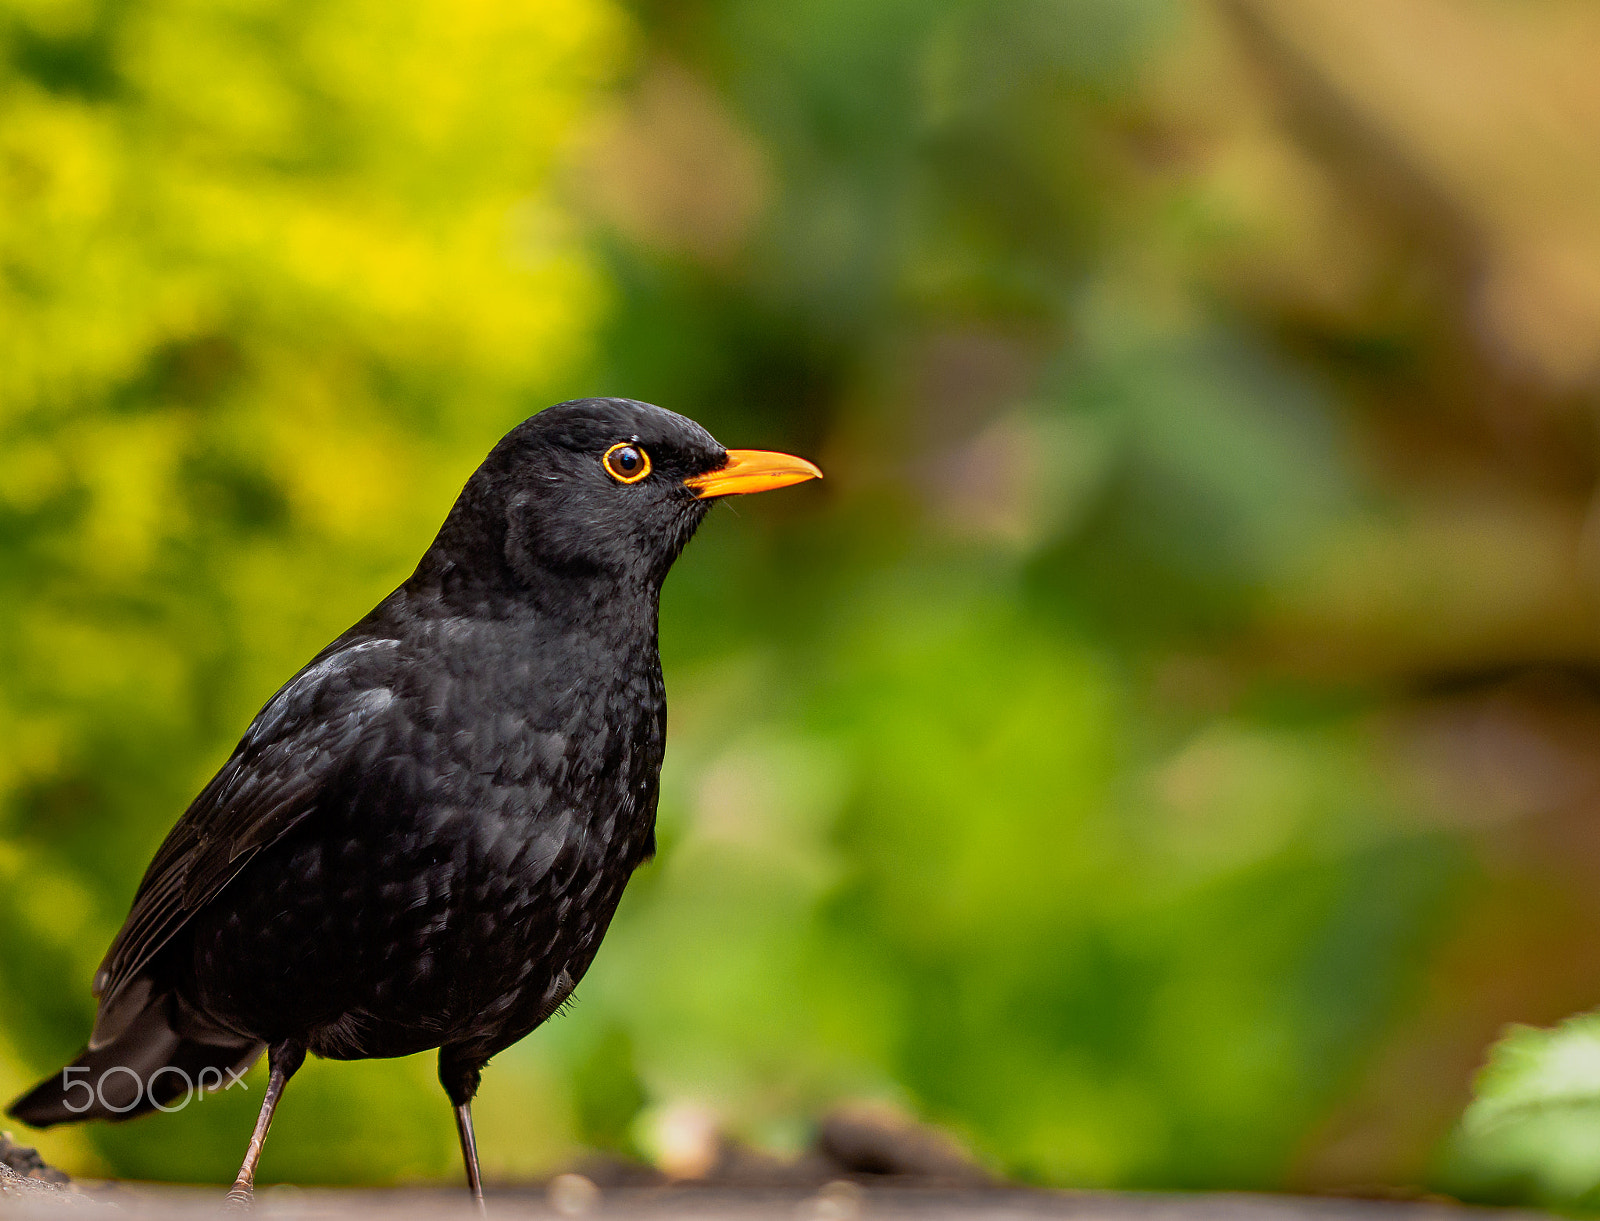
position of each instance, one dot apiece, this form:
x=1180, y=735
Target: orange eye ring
x=626, y=462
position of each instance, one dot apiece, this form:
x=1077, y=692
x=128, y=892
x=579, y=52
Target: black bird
x=421, y=839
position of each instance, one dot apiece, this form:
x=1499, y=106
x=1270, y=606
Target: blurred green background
x=1165, y=752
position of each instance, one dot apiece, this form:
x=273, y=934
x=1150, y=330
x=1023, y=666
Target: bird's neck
x=621, y=613
x=619, y=610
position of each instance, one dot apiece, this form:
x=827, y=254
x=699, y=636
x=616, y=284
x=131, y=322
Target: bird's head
x=601, y=492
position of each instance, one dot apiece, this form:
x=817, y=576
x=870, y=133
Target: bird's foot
x=240, y=1200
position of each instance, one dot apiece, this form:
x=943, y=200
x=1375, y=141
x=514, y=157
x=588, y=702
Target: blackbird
x=421, y=839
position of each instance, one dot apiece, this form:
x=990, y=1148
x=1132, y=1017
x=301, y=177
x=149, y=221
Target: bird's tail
x=147, y=1066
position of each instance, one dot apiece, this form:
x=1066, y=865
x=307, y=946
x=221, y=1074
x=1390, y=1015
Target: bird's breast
x=546, y=784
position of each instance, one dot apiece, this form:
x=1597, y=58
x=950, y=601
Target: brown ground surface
x=864, y=1165
x=835, y=1202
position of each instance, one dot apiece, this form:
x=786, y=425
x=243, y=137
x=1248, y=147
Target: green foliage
x=945, y=867
x=1532, y=1132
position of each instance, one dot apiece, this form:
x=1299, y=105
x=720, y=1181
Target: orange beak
x=752, y=470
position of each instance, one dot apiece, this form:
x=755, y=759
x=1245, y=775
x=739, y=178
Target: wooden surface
x=835, y=1202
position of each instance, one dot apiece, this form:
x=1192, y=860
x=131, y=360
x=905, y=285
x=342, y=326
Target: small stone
x=573, y=1195
x=24, y=1162
x=683, y=1139
x=839, y=1200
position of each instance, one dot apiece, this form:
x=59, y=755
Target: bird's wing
x=325, y=719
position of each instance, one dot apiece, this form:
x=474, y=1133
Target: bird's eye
x=626, y=463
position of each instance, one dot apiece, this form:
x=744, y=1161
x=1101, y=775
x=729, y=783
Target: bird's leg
x=469, y=1152
x=283, y=1061
x=459, y=1073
